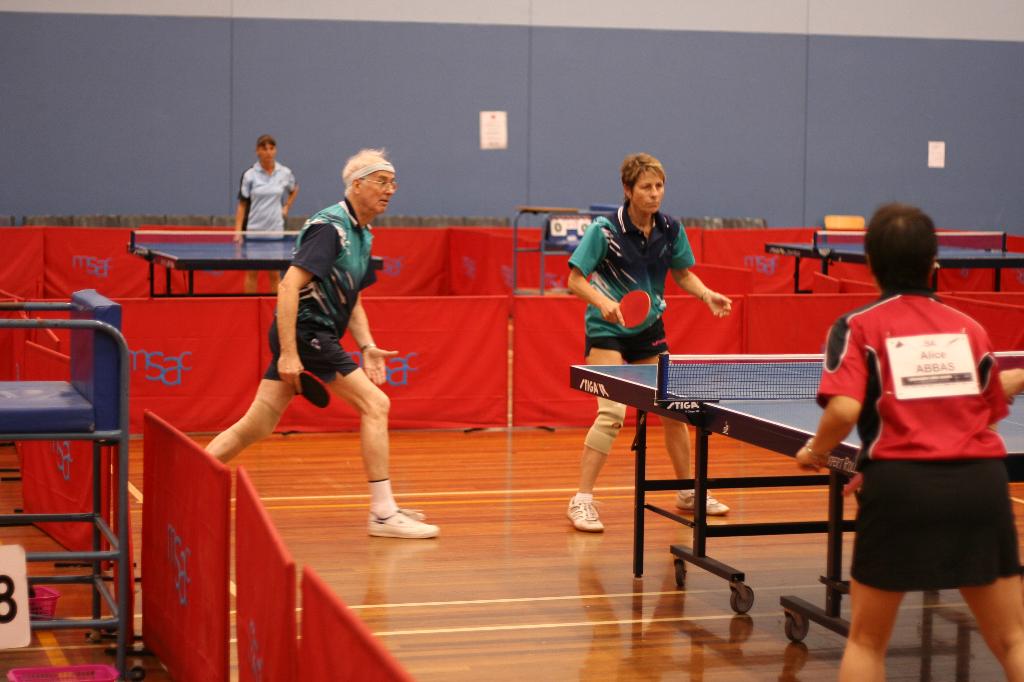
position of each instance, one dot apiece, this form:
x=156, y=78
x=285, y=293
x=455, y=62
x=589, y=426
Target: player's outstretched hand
x=374, y=363
x=720, y=304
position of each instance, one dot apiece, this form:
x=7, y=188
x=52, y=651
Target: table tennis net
x=713, y=378
x=983, y=240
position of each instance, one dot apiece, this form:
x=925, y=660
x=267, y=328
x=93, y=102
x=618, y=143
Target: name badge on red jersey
x=932, y=366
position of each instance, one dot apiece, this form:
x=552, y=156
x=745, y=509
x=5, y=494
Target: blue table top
x=636, y=385
x=209, y=252
x=947, y=256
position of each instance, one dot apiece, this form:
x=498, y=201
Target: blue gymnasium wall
x=143, y=114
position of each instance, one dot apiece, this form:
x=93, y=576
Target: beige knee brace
x=610, y=416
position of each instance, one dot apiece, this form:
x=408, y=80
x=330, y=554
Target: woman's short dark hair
x=901, y=245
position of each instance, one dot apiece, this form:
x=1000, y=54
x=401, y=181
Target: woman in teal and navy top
x=636, y=247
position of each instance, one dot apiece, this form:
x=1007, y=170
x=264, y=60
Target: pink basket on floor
x=71, y=673
x=43, y=605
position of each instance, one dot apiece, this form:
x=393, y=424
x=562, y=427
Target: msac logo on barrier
x=392, y=266
x=93, y=266
x=763, y=265
x=552, y=280
x=255, y=659
x=62, y=449
x=177, y=557
x=167, y=369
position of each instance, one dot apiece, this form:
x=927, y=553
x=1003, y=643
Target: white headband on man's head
x=373, y=168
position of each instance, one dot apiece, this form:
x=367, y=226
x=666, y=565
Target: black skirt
x=934, y=525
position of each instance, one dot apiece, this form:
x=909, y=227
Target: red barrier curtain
x=745, y=249
x=1008, y=297
x=95, y=258
x=57, y=475
x=825, y=284
x=186, y=541
x=1013, y=279
x=21, y=269
x=1004, y=323
x=479, y=261
x=336, y=646
x=415, y=261
x=265, y=594
x=451, y=369
x=196, y=361
x=12, y=347
x=795, y=323
x=726, y=279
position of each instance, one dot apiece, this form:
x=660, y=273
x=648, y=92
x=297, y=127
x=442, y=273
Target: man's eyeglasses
x=383, y=183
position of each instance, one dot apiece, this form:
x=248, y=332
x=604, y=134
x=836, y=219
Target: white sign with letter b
x=15, y=627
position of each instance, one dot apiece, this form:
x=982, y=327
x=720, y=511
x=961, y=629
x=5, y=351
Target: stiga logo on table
x=156, y=366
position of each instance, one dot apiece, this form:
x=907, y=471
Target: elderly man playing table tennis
x=920, y=382
x=318, y=299
x=635, y=248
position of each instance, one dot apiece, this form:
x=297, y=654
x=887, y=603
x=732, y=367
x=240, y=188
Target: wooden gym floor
x=511, y=592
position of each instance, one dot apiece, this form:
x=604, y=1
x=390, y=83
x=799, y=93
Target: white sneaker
x=684, y=501
x=414, y=514
x=584, y=516
x=402, y=524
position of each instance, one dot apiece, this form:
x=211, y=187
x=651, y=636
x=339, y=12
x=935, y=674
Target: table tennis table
x=780, y=424
x=211, y=250
x=965, y=250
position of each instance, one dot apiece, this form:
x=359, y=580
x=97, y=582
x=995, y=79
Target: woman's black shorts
x=646, y=344
x=934, y=525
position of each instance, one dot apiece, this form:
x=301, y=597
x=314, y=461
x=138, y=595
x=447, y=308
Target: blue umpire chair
x=92, y=406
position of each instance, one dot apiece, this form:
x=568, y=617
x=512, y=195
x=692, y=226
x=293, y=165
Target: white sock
x=382, y=502
x=584, y=498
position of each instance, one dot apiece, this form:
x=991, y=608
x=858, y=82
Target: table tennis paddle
x=634, y=307
x=313, y=389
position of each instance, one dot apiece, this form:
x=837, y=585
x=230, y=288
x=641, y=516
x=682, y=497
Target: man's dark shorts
x=319, y=350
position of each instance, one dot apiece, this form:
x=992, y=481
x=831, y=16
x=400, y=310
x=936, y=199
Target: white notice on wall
x=493, y=130
x=936, y=154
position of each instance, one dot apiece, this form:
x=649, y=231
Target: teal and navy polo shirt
x=617, y=258
x=336, y=250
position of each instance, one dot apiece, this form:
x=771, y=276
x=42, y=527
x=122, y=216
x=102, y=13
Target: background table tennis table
x=947, y=257
x=781, y=426
x=210, y=250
